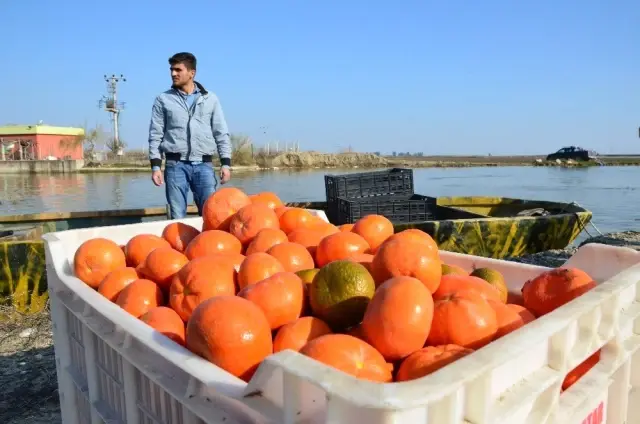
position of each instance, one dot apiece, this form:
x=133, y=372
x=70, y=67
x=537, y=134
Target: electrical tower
x=111, y=104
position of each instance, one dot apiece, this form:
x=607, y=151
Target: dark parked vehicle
x=573, y=153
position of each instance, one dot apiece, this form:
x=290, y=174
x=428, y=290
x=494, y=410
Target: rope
x=595, y=228
x=584, y=228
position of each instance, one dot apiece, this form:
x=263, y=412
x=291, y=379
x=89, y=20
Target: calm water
x=610, y=192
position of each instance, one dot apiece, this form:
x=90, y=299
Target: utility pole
x=113, y=107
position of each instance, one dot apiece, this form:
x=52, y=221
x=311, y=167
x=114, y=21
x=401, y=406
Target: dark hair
x=188, y=59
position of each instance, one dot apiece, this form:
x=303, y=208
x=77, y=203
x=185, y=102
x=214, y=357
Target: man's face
x=180, y=75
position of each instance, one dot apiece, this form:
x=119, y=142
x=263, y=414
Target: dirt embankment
x=322, y=160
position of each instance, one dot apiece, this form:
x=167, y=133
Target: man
x=186, y=122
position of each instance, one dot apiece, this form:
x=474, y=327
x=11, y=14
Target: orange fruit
x=509, y=318
x=296, y=334
x=140, y=246
x=256, y=267
x=294, y=218
x=179, y=235
x=139, y=297
x=340, y=246
x=364, y=259
x=413, y=234
x=453, y=282
x=233, y=260
x=267, y=198
x=265, y=239
x=96, y=258
x=280, y=297
x=248, y=221
x=375, y=229
x=166, y=321
x=111, y=286
x=429, y=360
x=554, y=288
x=308, y=237
x=317, y=223
x=212, y=241
x=524, y=313
x=293, y=257
x=350, y=355
x=162, y=264
x=584, y=367
x=232, y=333
x=399, y=257
x=280, y=210
x=346, y=227
x=464, y=318
x=201, y=279
x=324, y=227
x=221, y=206
x=398, y=318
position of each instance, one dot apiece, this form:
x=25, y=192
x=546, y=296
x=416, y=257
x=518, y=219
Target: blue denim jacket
x=191, y=131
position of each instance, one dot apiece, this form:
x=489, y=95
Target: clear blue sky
x=442, y=77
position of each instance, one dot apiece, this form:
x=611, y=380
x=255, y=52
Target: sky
x=438, y=77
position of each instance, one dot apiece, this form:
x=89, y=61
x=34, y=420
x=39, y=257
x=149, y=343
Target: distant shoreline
x=294, y=161
x=430, y=162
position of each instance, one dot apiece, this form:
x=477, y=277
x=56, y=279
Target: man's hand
x=225, y=174
x=157, y=178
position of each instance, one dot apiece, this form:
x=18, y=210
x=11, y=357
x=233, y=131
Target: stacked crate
x=389, y=193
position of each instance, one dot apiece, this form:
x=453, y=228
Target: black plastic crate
x=394, y=181
x=398, y=209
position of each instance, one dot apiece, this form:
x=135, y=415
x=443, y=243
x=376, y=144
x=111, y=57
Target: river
x=609, y=192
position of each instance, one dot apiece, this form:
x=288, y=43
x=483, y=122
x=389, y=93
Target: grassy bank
x=311, y=160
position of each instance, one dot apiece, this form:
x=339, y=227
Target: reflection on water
x=610, y=192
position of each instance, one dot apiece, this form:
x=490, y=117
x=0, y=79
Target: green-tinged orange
x=307, y=275
x=452, y=269
x=340, y=293
x=495, y=278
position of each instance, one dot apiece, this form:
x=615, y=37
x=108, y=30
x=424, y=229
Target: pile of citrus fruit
x=261, y=277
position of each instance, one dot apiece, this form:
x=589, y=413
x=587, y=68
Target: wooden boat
x=492, y=227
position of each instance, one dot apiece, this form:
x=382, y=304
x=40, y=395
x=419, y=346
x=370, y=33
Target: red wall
x=58, y=146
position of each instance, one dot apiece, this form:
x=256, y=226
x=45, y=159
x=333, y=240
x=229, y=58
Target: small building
x=40, y=142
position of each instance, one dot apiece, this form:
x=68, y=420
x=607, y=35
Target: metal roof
x=39, y=129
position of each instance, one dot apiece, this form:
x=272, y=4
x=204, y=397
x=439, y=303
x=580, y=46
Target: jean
x=179, y=177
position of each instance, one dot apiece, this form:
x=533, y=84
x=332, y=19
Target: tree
x=93, y=139
x=242, y=149
x=115, y=146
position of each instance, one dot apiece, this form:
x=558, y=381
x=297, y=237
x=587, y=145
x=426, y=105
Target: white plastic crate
x=113, y=368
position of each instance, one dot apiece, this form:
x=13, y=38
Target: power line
x=111, y=104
